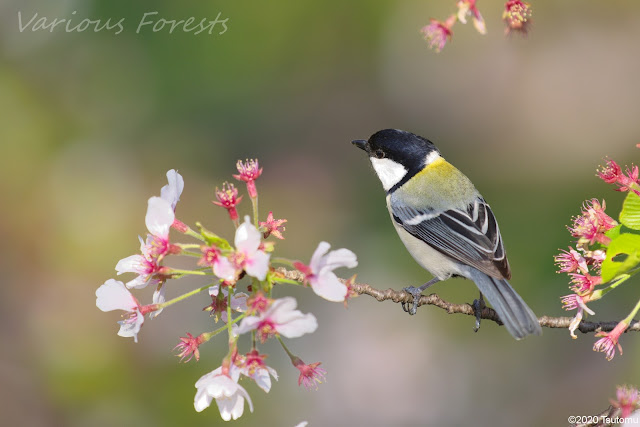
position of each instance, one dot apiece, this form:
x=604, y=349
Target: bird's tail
x=514, y=313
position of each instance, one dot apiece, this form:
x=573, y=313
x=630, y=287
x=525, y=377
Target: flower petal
x=202, y=400
x=172, y=191
x=158, y=298
x=131, y=264
x=248, y=324
x=131, y=326
x=257, y=265
x=247, y=237
x=113, y=295
x=328, y=287
x=317, y=257
x=239, y=302
x=159, y=217
x=339, y=258
x=224, y=269
x=304, y=324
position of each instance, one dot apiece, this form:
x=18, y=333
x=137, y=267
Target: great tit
x=445, y=224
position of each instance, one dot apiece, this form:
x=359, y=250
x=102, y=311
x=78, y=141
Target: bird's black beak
x=361, y=144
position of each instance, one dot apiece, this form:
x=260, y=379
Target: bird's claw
x=478, y=306
x=412, y=307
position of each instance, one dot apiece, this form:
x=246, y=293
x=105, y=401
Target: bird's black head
x=397, y=155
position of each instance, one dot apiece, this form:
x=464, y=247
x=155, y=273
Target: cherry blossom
x=249, y=172
x=609, y=341
x=247, y=256
x=273, y=227
x=280, y=318
x=319, y=273
x=228, y=199
x=113, y=295
x=253, y=366
x=437, y=33
x=218, y=307
x=310, y=375
x=224, y=388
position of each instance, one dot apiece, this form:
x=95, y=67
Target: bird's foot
x=478, y=306
x=412, y=307
x=416, y=292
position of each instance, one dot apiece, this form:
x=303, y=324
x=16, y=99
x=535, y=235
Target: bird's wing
x=470, y=236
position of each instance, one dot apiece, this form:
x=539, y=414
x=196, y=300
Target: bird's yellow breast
x=438, y=186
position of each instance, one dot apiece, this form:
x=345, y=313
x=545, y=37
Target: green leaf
x=628, y=244
x=614, y=232
x=213, y=239
x=630, y=214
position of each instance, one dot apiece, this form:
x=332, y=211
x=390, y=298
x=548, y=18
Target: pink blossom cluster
x=584, y=262
x=516, y=16
x=626, y=181
x=627, y=400
x=254, y=313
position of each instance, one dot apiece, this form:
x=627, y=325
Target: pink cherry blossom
x=571, y=261
x=222, y=267
x=113, y=295
x=468, y=7
x=229, y=395
x=249, y=172
x=319, y=273
x=218, y=307
x=247, y=255
x=612, y=174
x=437, y=33
x=607, y=344
x=280, y=318
x=273, y=227
x=310, y=375
x=517, y=16
x=593, y=223
x=253, y=366
x=188, y=347
x=145, y=265
x=159, y=218
x=573, y=302
x=584, y=283
x=228, y=199
x=627, y=400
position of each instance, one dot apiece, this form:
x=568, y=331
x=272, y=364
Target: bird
x=446, y=225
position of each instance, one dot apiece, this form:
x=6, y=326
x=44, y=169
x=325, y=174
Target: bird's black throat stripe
x=410, y=174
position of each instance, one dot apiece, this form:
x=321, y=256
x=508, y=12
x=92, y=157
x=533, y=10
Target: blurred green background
x=91, y=122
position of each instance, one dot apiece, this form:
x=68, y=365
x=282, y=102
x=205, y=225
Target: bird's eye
x=379, y=154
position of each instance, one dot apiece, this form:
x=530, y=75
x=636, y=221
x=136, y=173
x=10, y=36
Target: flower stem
x=291, y=355
x=193, y=234
x=229, y=322
x=185, y=272
x=192, y=254
x=184, y=296
x=254, y=203
x=633, y=313
x=189, y=245
x=597, y=294
x=208, y=335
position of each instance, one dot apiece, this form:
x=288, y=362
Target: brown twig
x=451, y=308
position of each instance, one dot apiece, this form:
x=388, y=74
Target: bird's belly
x=439, y=265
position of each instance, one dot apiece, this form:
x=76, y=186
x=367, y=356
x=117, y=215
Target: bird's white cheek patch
x=389, y=172
x=431, y=157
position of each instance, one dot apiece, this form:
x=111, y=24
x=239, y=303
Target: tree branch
x=451, y=308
